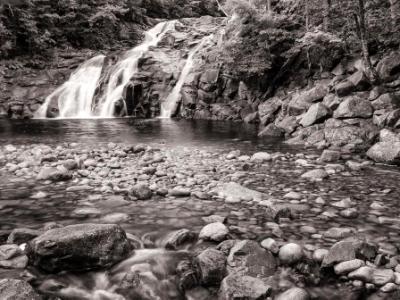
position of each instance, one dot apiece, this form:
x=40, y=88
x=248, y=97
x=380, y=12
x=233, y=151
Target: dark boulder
x=79, y=247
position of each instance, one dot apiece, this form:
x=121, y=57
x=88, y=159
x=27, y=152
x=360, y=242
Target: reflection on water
x=174, y=132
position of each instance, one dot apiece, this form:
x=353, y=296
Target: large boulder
x=249, y=258
x=387, y=150
x=302, y=101
x=358, y=131
x=389, y=66
x=316, y=113
x=354, y=107
x=212, y=265
x=14, y=289
x=79, y=247
x=241, y=287
x=349, y=249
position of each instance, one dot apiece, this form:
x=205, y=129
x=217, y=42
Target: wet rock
x=212, y=264
x=294, y=293
x=19, y=262
x=79, y=247
x=179, y=192
x=215, y=232
x=234, y=190
x=353, y=107
x=330, y=156
x=382, y=276
x=316, y=113
x=271, y=130
x=22, y=235
x=290, y=253
x=141, y=191
x=348, y=266
x=261, y=156
x=54, y=174
x=349, y=249
x=247, y=257
x=317, y=174
x=240, y=287
x=270, y=245
x=363, y=274
x=14, y=289
x=178, y=238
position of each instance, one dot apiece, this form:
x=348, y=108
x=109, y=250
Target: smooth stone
x=382, y=276
x=294, y=293
x=290, y=253
x=213, y=219
x=389, y=287
x=348, y=266
x=19, y=262
x=317, y=174
x=271, y=245
x=261, y=156
x=216, y=232
x=8, y=251
x=364, y=274
x=320, y=254
x=179, y=192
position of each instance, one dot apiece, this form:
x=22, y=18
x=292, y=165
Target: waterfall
x=75, y=96
x=127, y=67
x=169, y=105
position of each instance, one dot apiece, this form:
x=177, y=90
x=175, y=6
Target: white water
x=75, y=96
x=168, y=107
x=126, y=68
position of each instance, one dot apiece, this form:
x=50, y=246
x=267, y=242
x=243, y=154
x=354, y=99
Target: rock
x=348, y=266
x=290, y=253
x=385, y=152
x=179, y=238
x=54, y=174
x=382, y=276
x=268, y=109
x=317, y=174
x=332, y=101
x=388, y=67
x=330, y=156
x=387, y=101
x=79, y=247
x=316, y=113
x=14, y=289
x=234, y=190
x=261, y=156
x=22, y=235
x=241, y=287
x=349, y=249
x=338, y=233
x=301, y=102
x=71, y=164
x=320, y=254
x=179, y=192
x=344, y=88
x=115, y=218
x=270, y=245
x=363, y=274
x=271, y=130
x=213, y=219
x=198, y=293
x=354, y=107
x=360, y=81
x=141, y=191
x=294, y=293
x=215, y=232
x=19, y=262
x=212, y=264
x=293, y=196
x=389, y=287
x=8, y=251
x=247, y=257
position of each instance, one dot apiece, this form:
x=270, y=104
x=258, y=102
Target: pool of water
x=157, y=217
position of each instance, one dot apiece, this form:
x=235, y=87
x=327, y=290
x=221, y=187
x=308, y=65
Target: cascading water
x=75, y=96
x=127, y=67
x=168, y=107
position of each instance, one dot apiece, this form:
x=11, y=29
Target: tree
x=327, y=14
x=361, y=30
x=307, y=13
x=395, y=11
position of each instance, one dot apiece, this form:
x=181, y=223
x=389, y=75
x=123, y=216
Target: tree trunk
x=221, y=9
x=269, y=6
x=327, y=14
x=307, y=13
x=395, y=11
x=362, y=34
